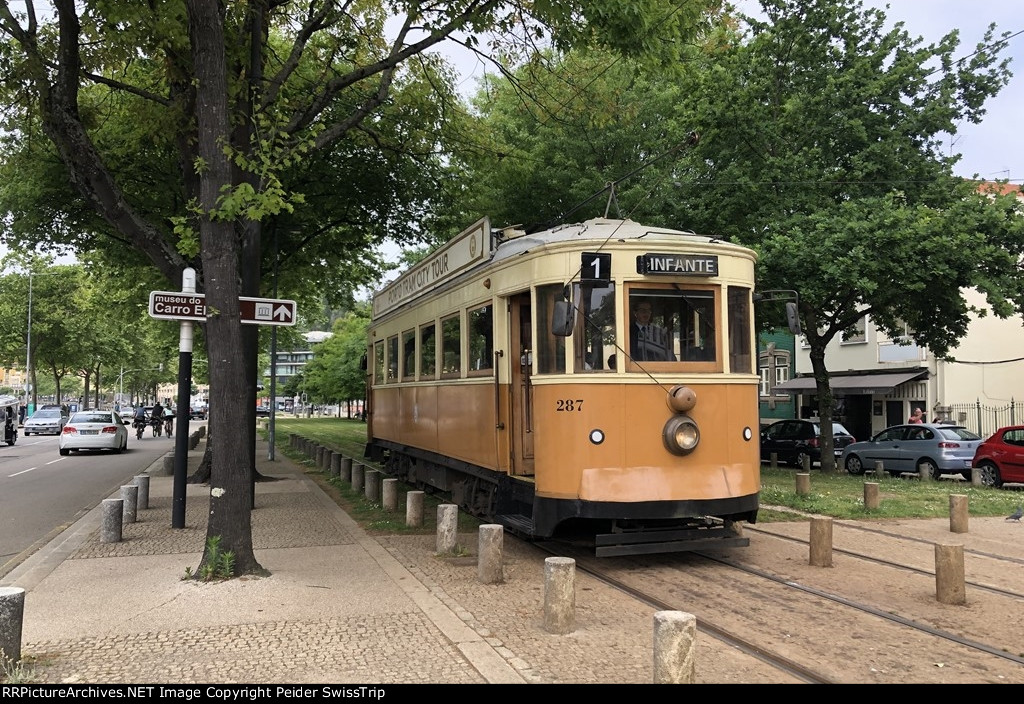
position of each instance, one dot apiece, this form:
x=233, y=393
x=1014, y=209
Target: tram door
x=521, y=335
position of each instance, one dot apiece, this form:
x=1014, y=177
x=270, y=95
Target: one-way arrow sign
x=175, y=305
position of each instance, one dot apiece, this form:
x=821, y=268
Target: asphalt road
x=42, y=493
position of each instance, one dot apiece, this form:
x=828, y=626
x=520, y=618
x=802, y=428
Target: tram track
x=903, y=566
x=827, y=619
x=783, y=664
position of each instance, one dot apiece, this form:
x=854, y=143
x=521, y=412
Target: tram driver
x=648, y=342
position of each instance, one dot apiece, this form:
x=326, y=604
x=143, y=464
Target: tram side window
x=550, y=349
x=451, y=347
x=378, y=362
x=594, y=334
x=740, y=345
x=428, y=352
x=481, y=340
x=408, y=355
x=392, y=358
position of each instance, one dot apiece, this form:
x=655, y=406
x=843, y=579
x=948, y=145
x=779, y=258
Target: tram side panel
x=455, y=420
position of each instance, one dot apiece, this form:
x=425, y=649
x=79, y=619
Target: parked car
x=197, y=412
x=94, y=430
x=48, y=420
x=792, y=440
x=1001, y=457
x=945, y=449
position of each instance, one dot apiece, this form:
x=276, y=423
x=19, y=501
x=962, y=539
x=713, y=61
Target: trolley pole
x=188, y=285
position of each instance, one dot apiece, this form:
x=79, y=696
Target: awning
x=853, y=383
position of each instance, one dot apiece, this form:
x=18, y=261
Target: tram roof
x=599, y=229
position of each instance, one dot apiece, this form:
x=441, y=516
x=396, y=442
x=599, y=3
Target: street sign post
x=178, y=305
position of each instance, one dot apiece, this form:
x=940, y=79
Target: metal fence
x=982, y=419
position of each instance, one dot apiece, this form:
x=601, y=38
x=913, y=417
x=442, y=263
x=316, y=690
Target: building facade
x=980, y=385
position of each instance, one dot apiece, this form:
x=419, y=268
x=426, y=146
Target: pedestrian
x=917, y=416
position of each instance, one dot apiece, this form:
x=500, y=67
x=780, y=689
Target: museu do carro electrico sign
x=178, y=305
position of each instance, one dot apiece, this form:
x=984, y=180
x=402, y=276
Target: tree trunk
x=232, y=459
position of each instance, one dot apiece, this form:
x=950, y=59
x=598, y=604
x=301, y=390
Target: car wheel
x=798, y=460
x=65, y=451
x=854, y=465
x=990, y=475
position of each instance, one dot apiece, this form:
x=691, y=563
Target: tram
x=504, y=371
x=9, y=407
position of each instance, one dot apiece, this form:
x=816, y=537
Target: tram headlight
x=681, y=435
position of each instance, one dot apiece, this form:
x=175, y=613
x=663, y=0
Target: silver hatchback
x=943, y=449
x=45, y=421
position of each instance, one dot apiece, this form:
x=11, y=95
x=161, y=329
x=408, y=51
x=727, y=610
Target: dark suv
x=792, y=440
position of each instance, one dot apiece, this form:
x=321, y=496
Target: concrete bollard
x=806, y=463
x=879, y=469
x=976, y=476
x=774, y=460
x=871, y=500
x=803, y=483
x=193, y=441
x=389, y=494
x=490, y=554
x=358, y=477
x=12, y=616
x=675, y=644
x=169, y=464
x=335, y=469
x=559, y=594
x=414, y=509
x=447, y=527
x=113, y=520
x=318, y=457
x=923, y=473
x=345, y=473
x=821, y=542
x=949, y=574
x=372, y=482
x=958, y=515
x=130, y=497
x=142, y=481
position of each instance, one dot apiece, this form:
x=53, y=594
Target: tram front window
x=594, y=335
x=669, y=325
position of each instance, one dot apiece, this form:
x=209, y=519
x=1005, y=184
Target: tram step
x=517, y=522
x=685, y=545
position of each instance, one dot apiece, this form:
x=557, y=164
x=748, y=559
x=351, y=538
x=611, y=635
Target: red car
x=1001, y=457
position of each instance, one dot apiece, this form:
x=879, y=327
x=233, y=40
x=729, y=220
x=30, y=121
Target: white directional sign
x=176, y=305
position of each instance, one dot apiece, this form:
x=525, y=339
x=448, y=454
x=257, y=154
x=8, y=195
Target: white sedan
x=93, y=430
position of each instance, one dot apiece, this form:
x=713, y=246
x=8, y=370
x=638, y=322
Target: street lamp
x=28, y=342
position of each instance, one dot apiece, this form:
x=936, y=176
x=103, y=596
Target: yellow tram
x=509, y=370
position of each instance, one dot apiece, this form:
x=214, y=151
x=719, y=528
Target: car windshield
x=838, y=429
x=957, y=433
x=48, y=413
x=90, y=418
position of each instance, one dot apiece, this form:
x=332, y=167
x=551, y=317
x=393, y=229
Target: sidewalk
x=340, y=606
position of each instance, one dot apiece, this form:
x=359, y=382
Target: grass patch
x=838, y=495
x=350, y=439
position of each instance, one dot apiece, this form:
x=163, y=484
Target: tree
x=254, y=92
x=820, y=146
x=336, y=372
x=824, y=131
